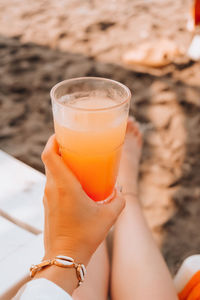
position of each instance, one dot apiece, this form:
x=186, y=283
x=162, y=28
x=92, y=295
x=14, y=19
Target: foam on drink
x=86, y=119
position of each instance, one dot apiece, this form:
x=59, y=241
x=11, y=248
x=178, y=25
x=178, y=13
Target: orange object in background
x=192, y=290
x=197, y=12
x=93, y=153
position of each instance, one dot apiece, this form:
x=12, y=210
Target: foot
x=131, y=153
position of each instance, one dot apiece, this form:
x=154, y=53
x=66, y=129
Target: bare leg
x=138, y=270
x=95, y=286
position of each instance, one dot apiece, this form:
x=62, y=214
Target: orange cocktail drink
x=90, y=117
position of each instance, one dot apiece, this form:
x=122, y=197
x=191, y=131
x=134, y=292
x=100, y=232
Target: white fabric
x=42, y=289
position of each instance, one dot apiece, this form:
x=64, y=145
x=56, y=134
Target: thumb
x=112, y=209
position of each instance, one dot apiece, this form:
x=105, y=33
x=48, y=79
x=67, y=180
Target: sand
x=43, y=42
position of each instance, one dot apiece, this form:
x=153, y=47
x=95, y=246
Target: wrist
x=64, y=277
x=79, y=256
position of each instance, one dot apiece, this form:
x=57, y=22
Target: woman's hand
x=75, y=225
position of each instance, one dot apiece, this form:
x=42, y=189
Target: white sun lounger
x=21, y=222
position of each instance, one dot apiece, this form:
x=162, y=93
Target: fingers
x=55, y=165
x=51, y=151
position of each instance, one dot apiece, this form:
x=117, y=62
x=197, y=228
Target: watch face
x=197, y=12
